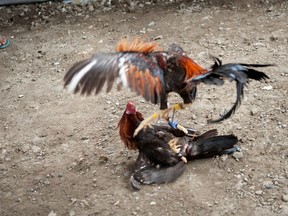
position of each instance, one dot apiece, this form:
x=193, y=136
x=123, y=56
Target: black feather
x=240, y=73
x=210, y=146
x=160, y=176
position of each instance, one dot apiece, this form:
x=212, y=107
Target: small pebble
x=268, y=184
x=237, y=155
x=91, y=8
x=253, y=112
x=151, y=23
x=224, y=157
x=285, y=198
x=103, y=159
x=260, y=192
x=52, y=213
x=152, y=203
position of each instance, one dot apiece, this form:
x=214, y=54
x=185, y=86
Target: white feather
x=122, y=72
x=76, y=79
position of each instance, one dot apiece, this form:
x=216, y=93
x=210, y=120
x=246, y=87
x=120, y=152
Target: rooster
x=152, y=73
x=163, y=150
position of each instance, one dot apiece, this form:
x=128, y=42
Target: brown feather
x=192, y=68
x=144, y=83
x=137, y=45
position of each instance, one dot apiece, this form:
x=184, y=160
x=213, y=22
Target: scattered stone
x=91, y=7
x=285, y=198
x=143, y=31
x=269, y=9
x=151, y=23
x=132, y=7
x=224, y=157
x=259, y=192
x=239, y=184
x=268, y=184
x=238, y=155
x=35, y=149
x=253, y=112
x=72, y=213
x=56, y=63
x=152, y=203
x=103, y=159
x=3, y=168
x=52, y=213
x=45, y=18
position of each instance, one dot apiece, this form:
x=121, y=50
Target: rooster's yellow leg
x=146, y=122
x=164, y=114
x=179, y=106
x=175, y=147
x=175, y=107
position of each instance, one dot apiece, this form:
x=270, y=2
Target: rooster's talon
x=175, y=147
x=182, y=158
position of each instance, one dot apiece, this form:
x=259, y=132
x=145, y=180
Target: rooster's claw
x=175, y=147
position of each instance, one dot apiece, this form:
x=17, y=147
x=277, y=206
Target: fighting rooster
x=154, y=73
x=163, y=150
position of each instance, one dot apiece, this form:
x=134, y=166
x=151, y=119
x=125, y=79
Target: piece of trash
x=158, y=37
x=267, y=88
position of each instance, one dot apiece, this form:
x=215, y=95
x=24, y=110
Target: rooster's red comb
x=130, y=108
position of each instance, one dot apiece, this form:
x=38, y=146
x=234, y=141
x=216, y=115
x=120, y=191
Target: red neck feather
x=127, y=125
x=192, y=68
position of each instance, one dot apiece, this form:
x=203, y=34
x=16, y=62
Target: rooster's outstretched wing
x=134, y=70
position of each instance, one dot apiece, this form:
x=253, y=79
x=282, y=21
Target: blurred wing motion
x=131, y=70
x=162, y=148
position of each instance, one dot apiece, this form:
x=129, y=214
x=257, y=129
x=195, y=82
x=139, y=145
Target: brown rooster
x=162, y=148
x=153, y=74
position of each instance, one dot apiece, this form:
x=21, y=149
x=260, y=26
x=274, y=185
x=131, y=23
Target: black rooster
x=164, y=150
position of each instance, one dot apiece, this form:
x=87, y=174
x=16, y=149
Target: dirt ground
x=52, y=143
